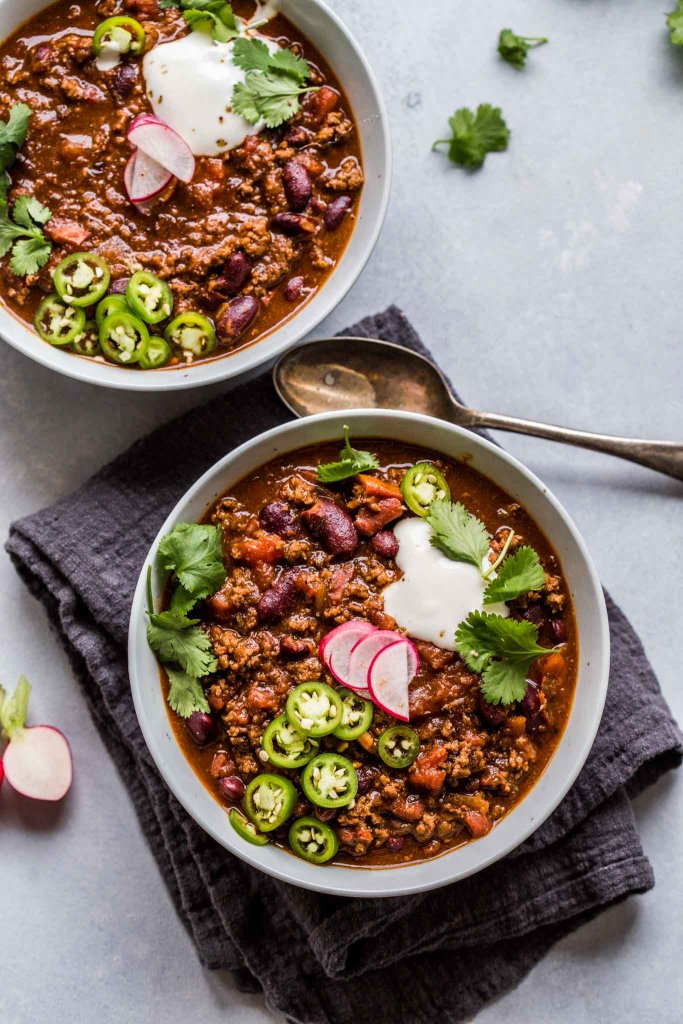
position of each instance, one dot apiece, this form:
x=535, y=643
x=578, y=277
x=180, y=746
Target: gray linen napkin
x=323, y=959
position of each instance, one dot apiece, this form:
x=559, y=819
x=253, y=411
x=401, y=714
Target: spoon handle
x=663, y=456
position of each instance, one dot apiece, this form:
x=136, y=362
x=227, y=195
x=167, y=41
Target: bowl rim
x=389, y=881
x=20, y=336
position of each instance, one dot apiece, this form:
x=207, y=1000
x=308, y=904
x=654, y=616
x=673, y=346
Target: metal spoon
x=366, y=373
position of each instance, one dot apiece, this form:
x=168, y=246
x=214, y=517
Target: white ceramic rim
x=563, y=767
x=307, y=15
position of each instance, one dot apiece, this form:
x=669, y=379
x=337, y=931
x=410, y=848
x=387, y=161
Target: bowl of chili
x=147, y=247
x=303, y=760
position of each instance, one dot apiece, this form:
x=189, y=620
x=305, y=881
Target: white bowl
x=336, y=44
x=591, y=688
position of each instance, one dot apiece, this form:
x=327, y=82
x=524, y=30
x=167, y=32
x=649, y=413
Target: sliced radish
x=388, y=679
x=338, y=651
x=37, y=762
x=362, y=655
x=359, y=626
x=162, y=144
x=144, y=178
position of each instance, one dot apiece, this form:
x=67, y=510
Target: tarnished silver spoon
x=366, y=373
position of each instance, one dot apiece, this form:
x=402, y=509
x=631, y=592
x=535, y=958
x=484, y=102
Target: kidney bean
x=335, y=212
x=297, y=185
x=318, y=205
x=333, y=526
x=493, y=714
x=530, y=707
x=366, y=779
x=124, y=78
x=235, y=274
x=296, y=225
x=201, y=727
x=297, y=136
x=534, y=613
x=395, y=844
x=119, y=286
x=276, y=517
x=237, y=316
x=279, y=600
x=297, y=647
x=325, y=813
x=559, y=630
x=385, y=543
x=231, y=788
x=294, y=288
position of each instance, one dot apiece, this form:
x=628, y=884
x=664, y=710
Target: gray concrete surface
x=548, y=284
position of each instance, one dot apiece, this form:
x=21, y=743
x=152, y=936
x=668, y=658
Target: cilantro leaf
x=21, y=232
x=13, y=134
x=216, y=18
x=271, y=97
x=194, y=552
x=518, y=574
x=514, y=48
x=177, y=639
x=185, y=694
x=254, y=55
x=674, y=20
x=351, y=462
x=475, y=135
x=456, y=532
x=500, y=650
x=5, y=182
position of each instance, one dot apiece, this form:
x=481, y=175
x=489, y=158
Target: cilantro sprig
x=273, y=83
x=21, y=232
x=502, y=651
x=514, y=48
x=519, y=574
x=674, y=20
x=457, y=533
x=13, y=133
x=474, y=135
x=351, y=461
x=213, y=16
x=193, y=553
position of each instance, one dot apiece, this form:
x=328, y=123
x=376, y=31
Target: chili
x=157, y=354
x=246, y=829
x=398, y=746
x=330, y=780
x=356, y=716
x=111, y=304
x=192, y=332
x=422, y=485
x=87, y=343
x=57, y=322
x=149, y=297
x=314, y=708
x=123, y=338
x=313, y=840
x=285, y=746
x=269, y=801
x=122, y=34
x=82, y=279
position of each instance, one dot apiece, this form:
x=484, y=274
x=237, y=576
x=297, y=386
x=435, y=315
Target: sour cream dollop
x=189, y=83
x=435, y=593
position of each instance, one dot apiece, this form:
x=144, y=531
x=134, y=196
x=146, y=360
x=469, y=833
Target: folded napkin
x=322, y=959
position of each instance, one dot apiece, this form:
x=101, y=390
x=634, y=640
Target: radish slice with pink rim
x=162, y=144
x=338, y=649
x=361, y=626
x=362, y=654
x=144, y=178
x=388, y=679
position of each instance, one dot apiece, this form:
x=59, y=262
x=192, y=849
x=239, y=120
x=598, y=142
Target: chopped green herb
x=194, y=552
x=514, y=48
x=254, y=55
x=13, y=134
x=272, y=98
x=456, y=532
x=185, y=694
x=213, y=16
x=500, y=650
x=475, y=135
x=519, y=574
x=21, y=231
x=351, y=462
x=179, y=640
x=674, y=20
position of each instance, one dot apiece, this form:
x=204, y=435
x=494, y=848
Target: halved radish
x=37, y=762
x=162, y=144
x=362, y=654
x=144, y=178
x=388, y=679
x=359, y=626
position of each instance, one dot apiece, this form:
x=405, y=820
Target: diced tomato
x=426, y=773
x=554, y=665
x=252, y=550
x=220, y=606
x=369, y=521
x=478, y=824
x=262, y=698
x=376, y=488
